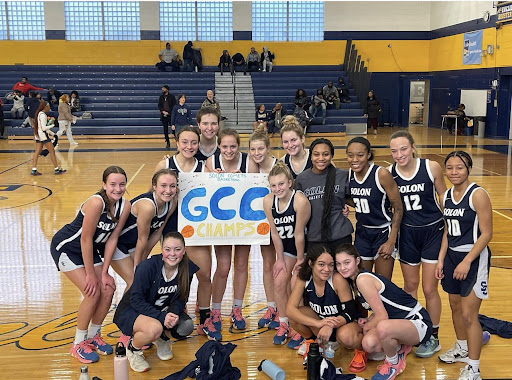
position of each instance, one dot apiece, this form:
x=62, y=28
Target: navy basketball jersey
x=172, y=163
x=129, y=233
x=396, y=301
x=461, y=219
x=285, y=224
x=328, y=305
x=418, y=195
x=69, y=235
x=370, y=199
x=307, y=164
x=201, y=155
x=243, y=162
x=169, y=289
x=274, y=160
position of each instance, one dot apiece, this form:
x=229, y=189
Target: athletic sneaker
x=281, y=334
x=467, y=373
x=35, y=172
x=274, y=325
x=388, y=371
x=216, y=319
x=427, y=349
x=267, y=317
x=209, y=330
x=486, y=337
x=124, y=339
x=295, y=342
x=163, y=349
x=237, y=319
x=101, y=346
x=84, y=352
x=454, y=354
x=137, y=360
x=59, y=171
x=358, y=362
x=73, y=143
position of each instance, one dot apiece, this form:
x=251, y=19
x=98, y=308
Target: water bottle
x=271, y=370
x=329, y=350
x=314, y=360
x=120, y=363
x=84, y=373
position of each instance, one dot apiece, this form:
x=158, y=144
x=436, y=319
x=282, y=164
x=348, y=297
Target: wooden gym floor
x=38, y=304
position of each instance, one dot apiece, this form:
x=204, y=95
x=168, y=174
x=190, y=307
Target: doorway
x=419, y=102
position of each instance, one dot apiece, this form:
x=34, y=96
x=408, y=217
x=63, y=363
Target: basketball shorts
x=368, y=240
x=68, y=260
x=477, y=278
x=420, y=244
x=423, y=324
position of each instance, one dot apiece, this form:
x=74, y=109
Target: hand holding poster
x=223, y=208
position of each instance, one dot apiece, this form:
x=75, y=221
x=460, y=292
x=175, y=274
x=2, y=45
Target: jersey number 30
x=362, y=206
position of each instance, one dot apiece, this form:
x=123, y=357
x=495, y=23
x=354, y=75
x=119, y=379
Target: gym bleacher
x=123, y=99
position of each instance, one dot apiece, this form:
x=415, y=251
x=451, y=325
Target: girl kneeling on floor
x=154, y=306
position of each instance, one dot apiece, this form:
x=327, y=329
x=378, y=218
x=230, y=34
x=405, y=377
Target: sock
x=34, y=168
x=237, y=303
x=463, y=344
x=131, y=347
x=284, y=320
x=393, y=359
x=474, y=365
x=435, y=331
x=271, y=304
x=93, y=330
x=80, y=336
x=164, y=337
x=216, y=305
x=204, y=314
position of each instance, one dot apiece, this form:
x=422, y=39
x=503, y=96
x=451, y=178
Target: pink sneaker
x=216, y=319
x=101, y=346
x=84, y=352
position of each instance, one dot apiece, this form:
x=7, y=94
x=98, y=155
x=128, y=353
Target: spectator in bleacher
x=2, y=119
x=188, y=57
x=168, y=57
x=18, y=106
x=210, y=101
x=180, y=116
x=75, y=102
x=261, y=117
x=239, y=63
x=34, y=98
x=343, y=91
x=253, y=60
x=302, y=117
x=372, y=111
x=225, y=62
x=301, y=99
x=166, y=103
x=318, y=103
x=275, y=119
x=52, y=97
x=66, y=119
x=25, y=87
x=331, y=95
x=267, y=59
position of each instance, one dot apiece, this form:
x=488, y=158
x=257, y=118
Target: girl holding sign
x=230, y=160
x=297, y=157
x=287, y=212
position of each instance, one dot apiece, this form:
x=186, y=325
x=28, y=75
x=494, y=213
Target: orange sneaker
x=358, y=362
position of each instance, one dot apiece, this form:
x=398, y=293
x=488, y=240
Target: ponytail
x=330, y=181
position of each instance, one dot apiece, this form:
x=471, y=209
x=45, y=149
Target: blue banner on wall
x=472, y=48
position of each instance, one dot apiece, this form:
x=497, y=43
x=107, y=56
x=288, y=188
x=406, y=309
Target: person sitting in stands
x=301, y=99
x=25, y=87
x=274, y=124
x=239, y=62
x=343, y=91
x=302, y=117
x=34, y=98
x=18, y=106
x=75, y=102
x=462, y=120
x=261, y=117
x=52, y=97
x=331, y=95
x=267, y=59
x=225, y=62
x=168, y=57
x=253, y=60
x=318, y=103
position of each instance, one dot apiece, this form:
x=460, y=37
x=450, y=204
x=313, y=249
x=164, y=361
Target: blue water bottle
x=271, y=370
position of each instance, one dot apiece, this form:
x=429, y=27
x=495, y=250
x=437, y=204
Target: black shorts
x=172, y=223
x=331, y=244
x=420, y=244
x=68, y=260
x=477, y=278
x=368, y=240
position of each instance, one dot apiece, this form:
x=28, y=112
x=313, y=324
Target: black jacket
x=372, y=109
x=171, y=101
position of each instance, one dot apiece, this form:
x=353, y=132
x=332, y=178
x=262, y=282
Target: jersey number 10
x=453, y=227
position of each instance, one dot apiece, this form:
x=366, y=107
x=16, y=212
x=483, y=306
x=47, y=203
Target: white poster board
x=223, y=208
x=475, y=102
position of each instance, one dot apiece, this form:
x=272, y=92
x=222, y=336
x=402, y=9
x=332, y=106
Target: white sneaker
x=467, y=373
x=73, y=143
x=163, y=349
x=454, y=354
x=137, y=361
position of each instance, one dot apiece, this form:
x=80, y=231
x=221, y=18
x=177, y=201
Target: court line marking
x=490, y=171
x=502, y=257
x=14, y=167
x=135, y=175
x=503, y=215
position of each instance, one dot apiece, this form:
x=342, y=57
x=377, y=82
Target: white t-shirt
x=169, y=55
